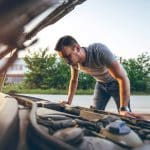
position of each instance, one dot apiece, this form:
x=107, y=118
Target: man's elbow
x=121, y=77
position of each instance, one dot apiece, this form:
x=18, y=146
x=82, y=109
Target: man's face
x=70, y=54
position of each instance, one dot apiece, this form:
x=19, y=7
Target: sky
x=122, y=25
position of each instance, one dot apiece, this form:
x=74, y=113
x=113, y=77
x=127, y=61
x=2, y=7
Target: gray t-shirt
x=98, y=58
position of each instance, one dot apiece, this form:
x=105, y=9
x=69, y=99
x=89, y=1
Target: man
x=99, y=62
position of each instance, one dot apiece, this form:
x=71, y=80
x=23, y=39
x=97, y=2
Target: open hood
x=17, y=17
x=17, y=14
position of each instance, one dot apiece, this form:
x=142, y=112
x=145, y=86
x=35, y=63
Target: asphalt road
x=139, y=104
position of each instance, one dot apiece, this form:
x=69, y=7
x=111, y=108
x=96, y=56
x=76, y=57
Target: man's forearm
x=73, y=84
x=72, y=90
x=124, y=92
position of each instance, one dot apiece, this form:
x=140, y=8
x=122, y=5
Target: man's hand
x=64, y=102
x=132, y=115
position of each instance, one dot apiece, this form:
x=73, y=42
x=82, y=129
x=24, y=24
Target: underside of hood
x=17, y=23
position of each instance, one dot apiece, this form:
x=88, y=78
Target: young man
x=99, y=62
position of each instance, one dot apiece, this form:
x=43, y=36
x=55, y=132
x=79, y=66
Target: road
x=139, y=104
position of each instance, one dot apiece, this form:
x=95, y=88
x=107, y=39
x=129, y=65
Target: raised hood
x=17, y=14
x=17, y=23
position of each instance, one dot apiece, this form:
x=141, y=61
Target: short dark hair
x=66, y=40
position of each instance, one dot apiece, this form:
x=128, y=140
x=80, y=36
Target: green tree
x=85, y=81
x=138, y=70
x=45, y=71
x=48, y=71
x=61, y=76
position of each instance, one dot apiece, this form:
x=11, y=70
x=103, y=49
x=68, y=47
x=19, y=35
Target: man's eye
x=68, y=56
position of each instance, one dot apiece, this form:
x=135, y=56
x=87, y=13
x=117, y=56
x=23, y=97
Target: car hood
x=17, y=16
x=21, y=20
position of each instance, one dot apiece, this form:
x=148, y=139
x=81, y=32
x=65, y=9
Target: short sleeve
x=103, y=54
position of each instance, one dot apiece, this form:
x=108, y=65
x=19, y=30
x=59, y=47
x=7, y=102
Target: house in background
x=16, y=71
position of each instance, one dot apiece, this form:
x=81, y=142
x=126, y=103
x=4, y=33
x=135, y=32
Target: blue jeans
x=103, y=92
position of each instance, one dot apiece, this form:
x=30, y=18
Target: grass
x=20, y=88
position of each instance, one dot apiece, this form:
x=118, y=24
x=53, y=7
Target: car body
x=30, y=123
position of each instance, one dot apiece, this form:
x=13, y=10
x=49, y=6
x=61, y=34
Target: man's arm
x=73, y=84
x=119, y=74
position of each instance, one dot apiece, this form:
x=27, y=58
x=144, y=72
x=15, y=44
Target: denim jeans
x=103, y=92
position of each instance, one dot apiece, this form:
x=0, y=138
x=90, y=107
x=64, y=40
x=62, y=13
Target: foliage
x=46, y=71
x=21, y=88
x=85, y=81
x=138, y=70
x=50, y=72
